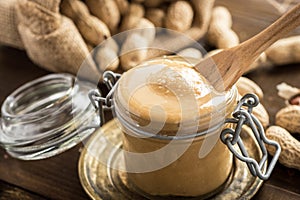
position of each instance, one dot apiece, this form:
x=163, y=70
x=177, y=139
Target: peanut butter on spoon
x=222, y=70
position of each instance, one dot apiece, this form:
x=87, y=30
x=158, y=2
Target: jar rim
x=44, y=130
x=23, y=90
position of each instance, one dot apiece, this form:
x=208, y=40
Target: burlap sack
x=9, y=34
x=54, y=43
x=51, y=40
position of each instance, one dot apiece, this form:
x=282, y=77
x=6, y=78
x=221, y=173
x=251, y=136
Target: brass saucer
x=103, y=182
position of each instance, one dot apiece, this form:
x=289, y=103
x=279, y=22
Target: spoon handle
x=280, y=28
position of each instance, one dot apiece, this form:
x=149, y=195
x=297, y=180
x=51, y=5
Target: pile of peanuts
x=287, y=123
x=97, y=20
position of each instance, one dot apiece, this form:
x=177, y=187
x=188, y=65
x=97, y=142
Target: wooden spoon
x=222, y=70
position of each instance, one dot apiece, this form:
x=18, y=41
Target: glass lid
x=46, y=116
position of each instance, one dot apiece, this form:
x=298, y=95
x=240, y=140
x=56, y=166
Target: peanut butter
x=167, y=97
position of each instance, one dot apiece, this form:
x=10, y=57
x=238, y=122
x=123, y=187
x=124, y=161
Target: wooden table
x=57, y=177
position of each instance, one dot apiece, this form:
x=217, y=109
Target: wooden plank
x=271, y=192
x=15, y=70
x=55, y=177
x=286, y=178
x=249, y=19
x=268, y=78
x=9, y=192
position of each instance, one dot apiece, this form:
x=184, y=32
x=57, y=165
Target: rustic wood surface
x=57, y=177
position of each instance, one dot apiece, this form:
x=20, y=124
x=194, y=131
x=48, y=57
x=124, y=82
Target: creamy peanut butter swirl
x=170, y=91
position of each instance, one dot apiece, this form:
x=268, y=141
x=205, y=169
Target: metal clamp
x=230, y=137
x=101, y=103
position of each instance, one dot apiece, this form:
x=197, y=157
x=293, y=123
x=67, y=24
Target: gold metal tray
x=103, y=182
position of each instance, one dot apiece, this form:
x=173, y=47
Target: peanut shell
x=122, y=6
x=179, y=16
x=156, y=16
x=246, y=85
x=262, y=115
x=290, y=147
x=107, y=11
x=289, y=118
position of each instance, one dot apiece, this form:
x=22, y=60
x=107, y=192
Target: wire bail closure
x=242, y=115
x=101, y=103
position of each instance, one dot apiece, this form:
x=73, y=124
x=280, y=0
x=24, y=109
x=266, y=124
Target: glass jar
x=171, y=120
x=45, y=117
